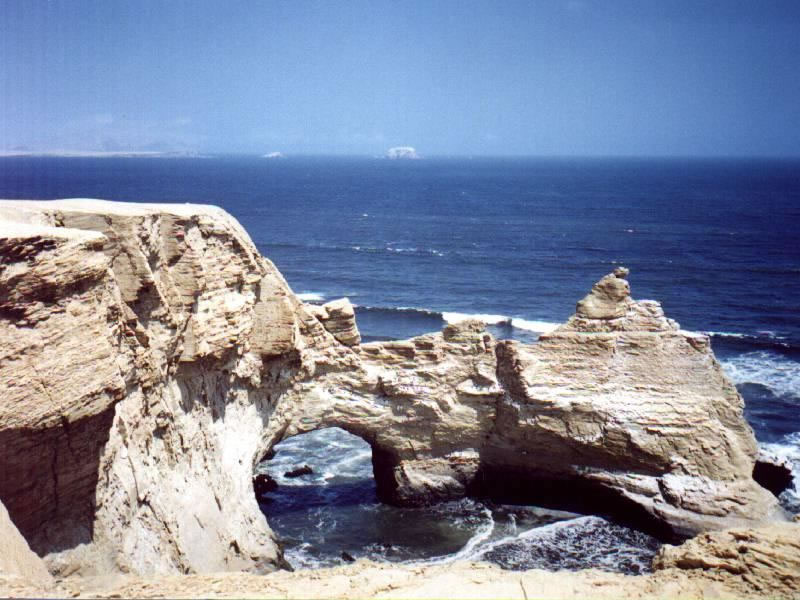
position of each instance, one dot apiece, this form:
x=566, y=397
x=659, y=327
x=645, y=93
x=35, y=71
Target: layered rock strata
x=143, y=350
x=151, y=357
x=339, y=318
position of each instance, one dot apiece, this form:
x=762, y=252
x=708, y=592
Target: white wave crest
x=536, y=532
x=490, y=319
x=398, y=250
x=311, y=296
x=728, y=334
x=470, y=550
x=454, y=317
x=535, y=326
x=774, y=371
x=762, y=335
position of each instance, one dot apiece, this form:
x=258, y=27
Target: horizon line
x=422, y=157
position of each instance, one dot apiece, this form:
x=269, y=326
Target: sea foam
x=774, y=371
x=491, y=319
x=311, y=297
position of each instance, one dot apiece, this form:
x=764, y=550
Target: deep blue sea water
x=416, y=243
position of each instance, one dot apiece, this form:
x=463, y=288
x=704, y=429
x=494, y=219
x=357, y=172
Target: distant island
x=402, y=152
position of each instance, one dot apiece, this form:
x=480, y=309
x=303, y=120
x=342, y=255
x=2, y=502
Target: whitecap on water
x=534, y=326
x=769, y=369
x=580, y=543
x=311, y=296
x=455, y=317
x=491, y=319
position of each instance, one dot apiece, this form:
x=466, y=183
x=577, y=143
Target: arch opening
x=334, y=514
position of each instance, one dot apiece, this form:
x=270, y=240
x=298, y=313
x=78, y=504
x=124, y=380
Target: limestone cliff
x=151, y=357
x=143, y=350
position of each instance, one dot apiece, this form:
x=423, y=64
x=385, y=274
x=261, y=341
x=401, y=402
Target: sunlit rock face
x=151, y=357
x=144, y=348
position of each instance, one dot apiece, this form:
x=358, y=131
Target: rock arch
x=152, y=357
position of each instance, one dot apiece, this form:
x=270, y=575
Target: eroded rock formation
x=151, y=357
x=143, y=351
x=339, y=318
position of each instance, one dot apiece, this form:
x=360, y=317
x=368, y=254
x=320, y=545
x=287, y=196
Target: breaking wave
x=778, y=373
x=446, y=317
x=574, y=543
x=398, y=250
x=759, y=339
x=311, y=296
x=528, y=325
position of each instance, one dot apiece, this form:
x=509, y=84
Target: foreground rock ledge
x=150, y=357
x=732, y=564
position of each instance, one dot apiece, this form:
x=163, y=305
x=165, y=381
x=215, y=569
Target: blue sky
x=566, y=77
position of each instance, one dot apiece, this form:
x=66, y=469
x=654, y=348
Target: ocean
x=417, y=244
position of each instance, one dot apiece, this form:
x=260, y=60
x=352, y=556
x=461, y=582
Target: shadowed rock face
x=151, y=357
x=16, y=558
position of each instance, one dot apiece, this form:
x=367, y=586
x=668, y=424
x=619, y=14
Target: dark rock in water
x=773, y=473
x=347, y=557
x=263, y=483
x=270, y=454
x=300, y=471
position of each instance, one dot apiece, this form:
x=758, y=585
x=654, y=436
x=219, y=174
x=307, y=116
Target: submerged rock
x=299, y=472
x=263, y=484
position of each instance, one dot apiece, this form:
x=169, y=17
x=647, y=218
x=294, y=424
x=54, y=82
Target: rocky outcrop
x=622, y=398
x=339, y=318
x=762, y=561
x=622, y=407
x=151, y=357
x=608, y=299
x=17, y=560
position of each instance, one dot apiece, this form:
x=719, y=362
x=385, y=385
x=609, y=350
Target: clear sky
x=564, y=77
